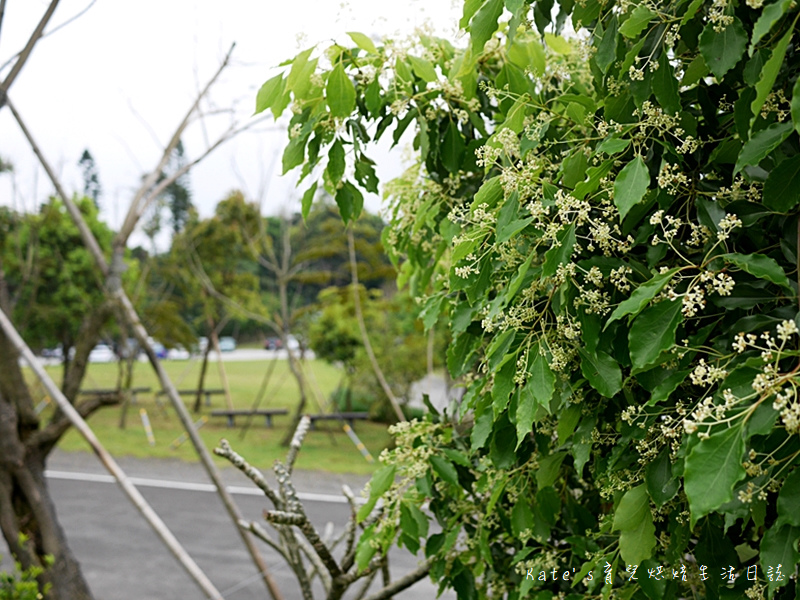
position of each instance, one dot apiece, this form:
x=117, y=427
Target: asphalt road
x=123, y=559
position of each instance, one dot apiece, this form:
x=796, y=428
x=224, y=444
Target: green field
x=327, y=448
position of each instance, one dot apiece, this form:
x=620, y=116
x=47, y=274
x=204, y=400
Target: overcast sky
x=118, y=79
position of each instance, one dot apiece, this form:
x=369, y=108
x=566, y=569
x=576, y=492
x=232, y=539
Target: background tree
x=608, y=225
x=91, y=177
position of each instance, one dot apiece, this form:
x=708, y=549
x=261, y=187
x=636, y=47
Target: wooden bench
x=267, y=413
x=206, y=393
x=115, y=392
x=350, y=417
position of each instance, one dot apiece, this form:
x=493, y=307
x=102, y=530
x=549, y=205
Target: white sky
x=119, y=79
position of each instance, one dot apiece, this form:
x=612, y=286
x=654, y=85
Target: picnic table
x=350, y=417
x=207, y=393
x=267, y=413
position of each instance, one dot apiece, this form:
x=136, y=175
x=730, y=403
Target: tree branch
x=144, y=192
x=26, y=52
x=403, y=583
x=224, y=450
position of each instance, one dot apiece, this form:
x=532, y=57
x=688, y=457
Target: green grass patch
x=327, y=448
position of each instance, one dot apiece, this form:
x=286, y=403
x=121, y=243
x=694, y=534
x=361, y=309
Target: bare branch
x=135, y=211
x=403, y=583
x=297, y=441
x=259, y=532
x=2, y=13
x=26, y=52
x=250, y=471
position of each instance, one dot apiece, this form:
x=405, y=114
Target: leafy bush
x=608, y=224
x=21, y=584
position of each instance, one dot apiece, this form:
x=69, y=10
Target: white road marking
x=187, y=486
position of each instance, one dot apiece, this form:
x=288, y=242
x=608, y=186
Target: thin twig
x=250, y=471
x=403, y=583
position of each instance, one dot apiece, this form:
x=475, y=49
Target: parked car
x=227, y=344
x=273, y=343
x=102, y=353
x=178, y=353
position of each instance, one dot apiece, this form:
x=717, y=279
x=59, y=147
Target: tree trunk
x=25, y=505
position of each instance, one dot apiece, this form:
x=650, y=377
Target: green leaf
x=712, y=469
x=567, y=421
x=641, y=296
x=696, y=70
x=380, y=483
x=602, y=372
x=796, y=106
x=537, y=393
x=558, y=44
x=631, y=185
x=484, y=24
x=548, y=470
x=762, y=143
x=653, y=332
x=722, y=51
x=470, y=8
x=613, y=145
x=365, y=550
x=489, y=193
x=270, y=93
x=521, y=517
x=782, y=188
x=665, y=86
x=294, y=153
x=636, y=22
x=308, y=198
x=770, y=15
x=340, y=92
x=789, y=500
x=335, y=168
x=769, y=74
x=691, y=11
x=350, y=201
x=635, y=523
x=779, y=547
x=444, y=469
x=452, y=148
x=607, y=48
x=299, y=78
x=561, y=253
x=762, y=267
x=423, y=68
x=662, y=485
x=363, y=42
x=481, y=431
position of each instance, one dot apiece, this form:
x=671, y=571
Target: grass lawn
x=327, y=448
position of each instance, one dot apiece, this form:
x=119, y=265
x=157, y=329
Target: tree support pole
x=108, y=461
x=113, y=275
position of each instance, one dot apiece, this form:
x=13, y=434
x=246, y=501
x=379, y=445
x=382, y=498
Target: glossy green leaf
x=770, y=14
x=653, y=332
x=336, y=163
x=696, y=70
x=641, y=296
x=607, y=48
x=470, y=8
x=363, y=42
x=380, y=483
x=631, y=185
x=779, y=547
x=521, y=517
x=691, y=11
x=636, y=22
x=350, y=201
x=662, y=485
x=299, y=78
x=270, y=93
x=561, y=253
x=722, y=50
x=601, y=371
x=444, y=469
x=489, y=193
x=537, y=393
x=423, y=68
x=796, y=106
x=452, y=148
x=769, y=74
x=789, y=500
x=549, y=468
x=558, y=44
x=484, y=24
x=632, y=518
x=613, y=145
x=294, y=153
x=665, y=86
x=340, y=92
x=712, y=469
x=762, y=267
x=364, y=549
x=782, y=188
x=308, y=199
x=762, y=143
